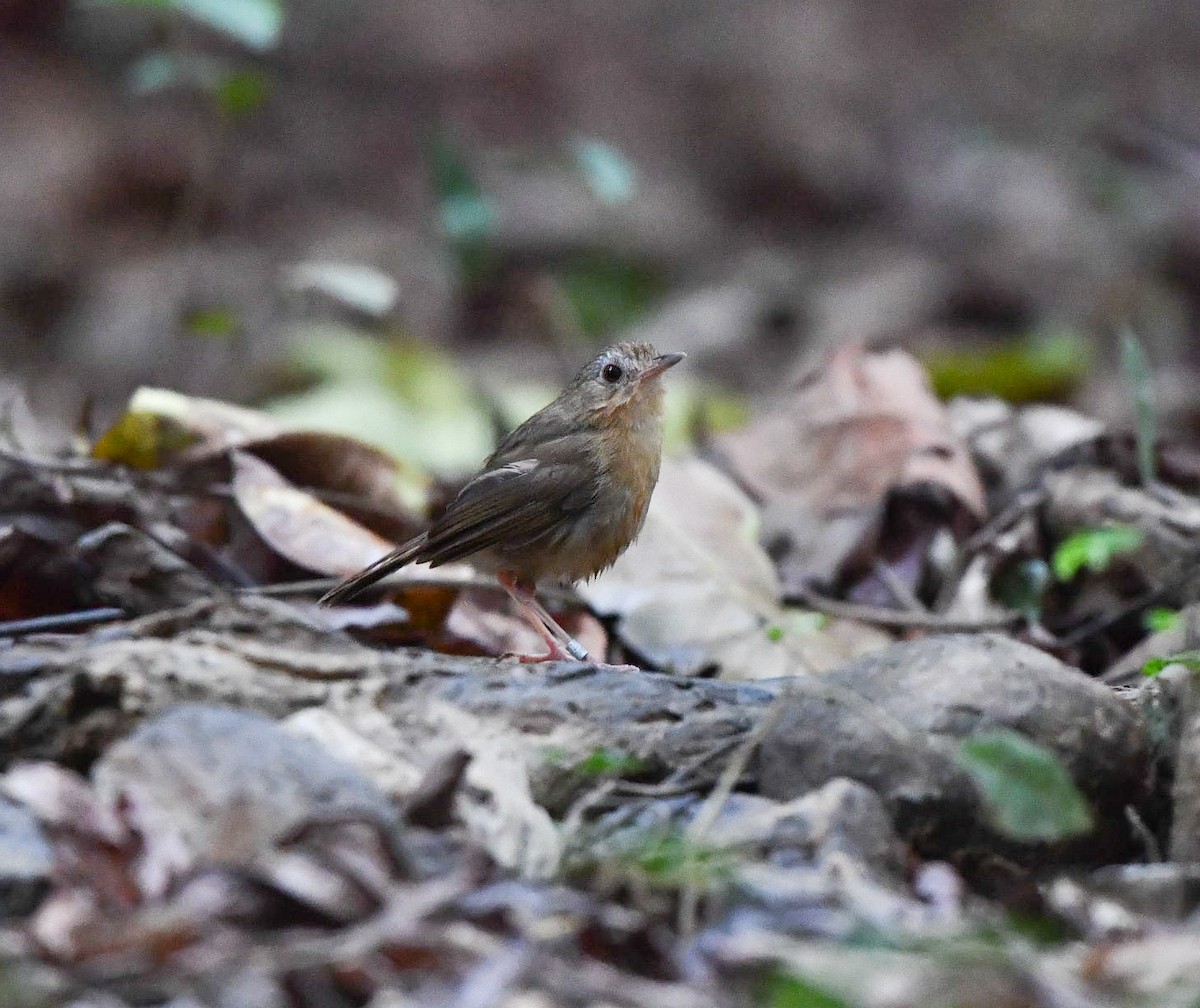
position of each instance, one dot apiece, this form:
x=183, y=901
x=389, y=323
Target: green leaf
x=787, y=990
x=254, y=23
x=1028, y=793
x=671, y=860
x=798, y=622
x=1093, y=549
x=609, y=174
x=137, y=440
x=609, y=293
x=1040, y=365
x=217, y=322
x=1188, y=659
x=1022, y=586
x=239, y=94
x=401, y=396
x=609, y=762
x=1160, y=618
x=1141, y=387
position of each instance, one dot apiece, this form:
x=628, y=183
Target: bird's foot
x=574, y=651
x=563, y=655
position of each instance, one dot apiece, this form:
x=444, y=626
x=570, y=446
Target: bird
x=561, y=497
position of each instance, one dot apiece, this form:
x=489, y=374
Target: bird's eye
x=612, y=373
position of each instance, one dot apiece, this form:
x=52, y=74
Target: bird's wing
x=511, y=505
x=514, y=502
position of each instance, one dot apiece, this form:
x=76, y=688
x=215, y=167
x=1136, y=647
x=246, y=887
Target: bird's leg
x=561, y=644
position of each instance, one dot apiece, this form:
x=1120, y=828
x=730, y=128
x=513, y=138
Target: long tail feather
x=380, y=569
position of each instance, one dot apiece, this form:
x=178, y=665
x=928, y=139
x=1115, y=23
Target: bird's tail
x=380, y=569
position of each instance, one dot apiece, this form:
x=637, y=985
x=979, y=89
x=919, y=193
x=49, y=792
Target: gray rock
x=893, y=721
x=666, y=721
x=25, y=860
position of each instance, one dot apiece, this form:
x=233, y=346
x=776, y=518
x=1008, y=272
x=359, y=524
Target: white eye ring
x=612, y=373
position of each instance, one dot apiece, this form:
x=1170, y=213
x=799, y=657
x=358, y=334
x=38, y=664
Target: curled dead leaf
x=299, y=527
x=863, y=429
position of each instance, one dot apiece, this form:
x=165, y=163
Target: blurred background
x=356, y=212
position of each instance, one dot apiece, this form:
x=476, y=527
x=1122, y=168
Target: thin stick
x=60, y=621
x=897, y=618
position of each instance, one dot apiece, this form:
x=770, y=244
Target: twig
x=573, y=820
x=895, y=618
x=1023, y=502
x=1150, y=844
x=60, y=621
x=675, y=783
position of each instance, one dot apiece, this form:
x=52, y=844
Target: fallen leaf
x=696, y=589
x=360, y=480
x=487, y=625
x=299, y=527
x=862, y=430
x=161, y=426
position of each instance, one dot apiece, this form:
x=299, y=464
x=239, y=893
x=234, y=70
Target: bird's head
x=621, y=374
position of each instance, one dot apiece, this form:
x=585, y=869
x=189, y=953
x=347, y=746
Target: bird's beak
x=660, y=364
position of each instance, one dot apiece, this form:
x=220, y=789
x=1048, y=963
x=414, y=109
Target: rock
x=666, y=721
x=841, y=819
x=893, y=721
x=225, y=785
x=79, y=693
x=25, y=860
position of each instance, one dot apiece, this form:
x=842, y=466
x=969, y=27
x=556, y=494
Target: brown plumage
x=562, y=496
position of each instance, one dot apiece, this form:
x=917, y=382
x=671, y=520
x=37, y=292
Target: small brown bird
x=562, y=496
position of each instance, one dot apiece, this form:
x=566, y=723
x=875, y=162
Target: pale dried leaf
x=865, y=423
x=299, y=527
x=696, y=589
x=60, y=797
x=825, y=461
x=498, y=806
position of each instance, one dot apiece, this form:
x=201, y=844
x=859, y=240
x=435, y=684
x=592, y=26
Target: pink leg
x=562, y=646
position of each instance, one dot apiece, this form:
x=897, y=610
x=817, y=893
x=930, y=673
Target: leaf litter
x=471, y=869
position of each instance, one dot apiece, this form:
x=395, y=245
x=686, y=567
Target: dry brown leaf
x=299, y=527
x=363, y=478
x=486, y=622
x=866, y=422
x=696, y=589
x=824, y=463
x=162, y=427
